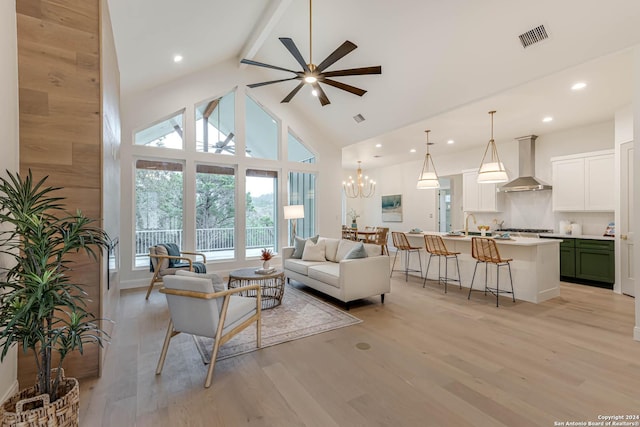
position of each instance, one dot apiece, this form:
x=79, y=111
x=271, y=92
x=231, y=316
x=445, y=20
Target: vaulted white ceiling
x=459, y=57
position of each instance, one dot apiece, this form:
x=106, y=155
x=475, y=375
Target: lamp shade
x=492, y=173
x=293, y=211
x=428, y=180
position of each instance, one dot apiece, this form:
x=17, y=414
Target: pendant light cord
x=310, y=34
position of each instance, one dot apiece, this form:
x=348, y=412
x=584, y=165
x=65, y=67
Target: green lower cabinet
x=567, y=261
x=587, y=261
x=595, y=261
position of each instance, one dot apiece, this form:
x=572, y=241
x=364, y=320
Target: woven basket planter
x=29, y=408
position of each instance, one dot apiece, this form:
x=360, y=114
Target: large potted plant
x=41, y=310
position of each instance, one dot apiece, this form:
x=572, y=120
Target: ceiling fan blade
x=229, y=138
x=354, y=72
x=352, y=89
x=337, y=54
x=321, y=95
x=272, y=81
x=262, y=64
x=293, y=93
x=293, y=49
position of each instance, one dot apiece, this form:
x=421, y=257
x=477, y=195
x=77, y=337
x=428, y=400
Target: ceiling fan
x=315, y=74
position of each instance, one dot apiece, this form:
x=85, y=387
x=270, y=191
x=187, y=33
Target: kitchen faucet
x=466, y=223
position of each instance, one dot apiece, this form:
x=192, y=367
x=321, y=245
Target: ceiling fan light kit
x=491, y=170
x=312, y=74
x=428, y=177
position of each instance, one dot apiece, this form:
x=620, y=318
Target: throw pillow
x=299, y=243
x=356, y=252
x=343, y=248
x=219, y=285
x=314, y=251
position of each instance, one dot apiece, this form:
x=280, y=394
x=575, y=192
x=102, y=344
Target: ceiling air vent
x=359, y=118
x=533, y=36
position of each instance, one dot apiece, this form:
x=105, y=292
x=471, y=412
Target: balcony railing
x=207, y=239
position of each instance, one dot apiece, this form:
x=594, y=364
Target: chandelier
x=428, y=177
x=362, y=186
x=492, y=170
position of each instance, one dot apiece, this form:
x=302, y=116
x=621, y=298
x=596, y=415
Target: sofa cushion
x=300, y=266
x=331, y=248
x=373, y=250
x=328, y=273
x=313, y=251
x=356, y=252
x=343, y=248
x=299, y=243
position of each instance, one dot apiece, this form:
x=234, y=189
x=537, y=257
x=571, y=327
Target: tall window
x=215, y=211
x=297, y=152
x=302, y=191
x=215, y=125
x=159, y=189
x=261, y=132
x=164, y=134
x=261, y=211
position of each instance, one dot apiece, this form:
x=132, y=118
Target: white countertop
x=582, y=236
x=516, y=241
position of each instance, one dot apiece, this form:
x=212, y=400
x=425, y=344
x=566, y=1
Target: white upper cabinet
x=478, y=197
x=583, y=182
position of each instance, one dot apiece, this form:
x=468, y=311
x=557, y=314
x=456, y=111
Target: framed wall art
x=392, y=208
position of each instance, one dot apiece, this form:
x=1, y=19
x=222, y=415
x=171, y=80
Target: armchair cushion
x=219, y=285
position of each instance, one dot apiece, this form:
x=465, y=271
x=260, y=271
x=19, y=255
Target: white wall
x=10, y=144
x=521, y=210
x=141, y=109
x=419, y=207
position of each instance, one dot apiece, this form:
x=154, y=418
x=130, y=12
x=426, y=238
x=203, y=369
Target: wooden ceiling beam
x=263, y=28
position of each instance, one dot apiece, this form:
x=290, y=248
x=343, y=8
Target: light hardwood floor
x=434, y=360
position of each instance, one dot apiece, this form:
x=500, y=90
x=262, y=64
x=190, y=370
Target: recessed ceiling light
x=547, y=119
x=451, y=141
x=177, y=58
x=378, y=145
x=413, y=150
x=578, y=86
x=314, y=92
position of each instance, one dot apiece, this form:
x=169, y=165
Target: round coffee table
x=271, y=285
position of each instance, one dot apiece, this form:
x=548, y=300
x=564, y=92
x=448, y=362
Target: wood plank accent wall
x=60, y=127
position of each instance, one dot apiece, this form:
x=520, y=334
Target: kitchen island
x=535, y=266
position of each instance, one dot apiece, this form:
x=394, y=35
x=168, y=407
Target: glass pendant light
x=428, y=177
x=491, y=170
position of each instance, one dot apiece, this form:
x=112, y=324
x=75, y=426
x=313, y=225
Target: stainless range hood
x=527, y=167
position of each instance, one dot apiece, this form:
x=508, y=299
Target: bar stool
x=402, y=244
x=435, y=247
x=484, y=250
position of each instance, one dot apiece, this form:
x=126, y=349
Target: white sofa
x=344, y=279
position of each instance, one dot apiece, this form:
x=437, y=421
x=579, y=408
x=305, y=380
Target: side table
x=271, y=285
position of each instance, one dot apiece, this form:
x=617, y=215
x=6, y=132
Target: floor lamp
x=293, y=212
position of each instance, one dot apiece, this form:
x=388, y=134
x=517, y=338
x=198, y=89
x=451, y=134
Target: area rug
x=300, y=315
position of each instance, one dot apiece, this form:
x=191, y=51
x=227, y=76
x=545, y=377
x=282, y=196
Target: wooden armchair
x=166, y=259
x=197, y=308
